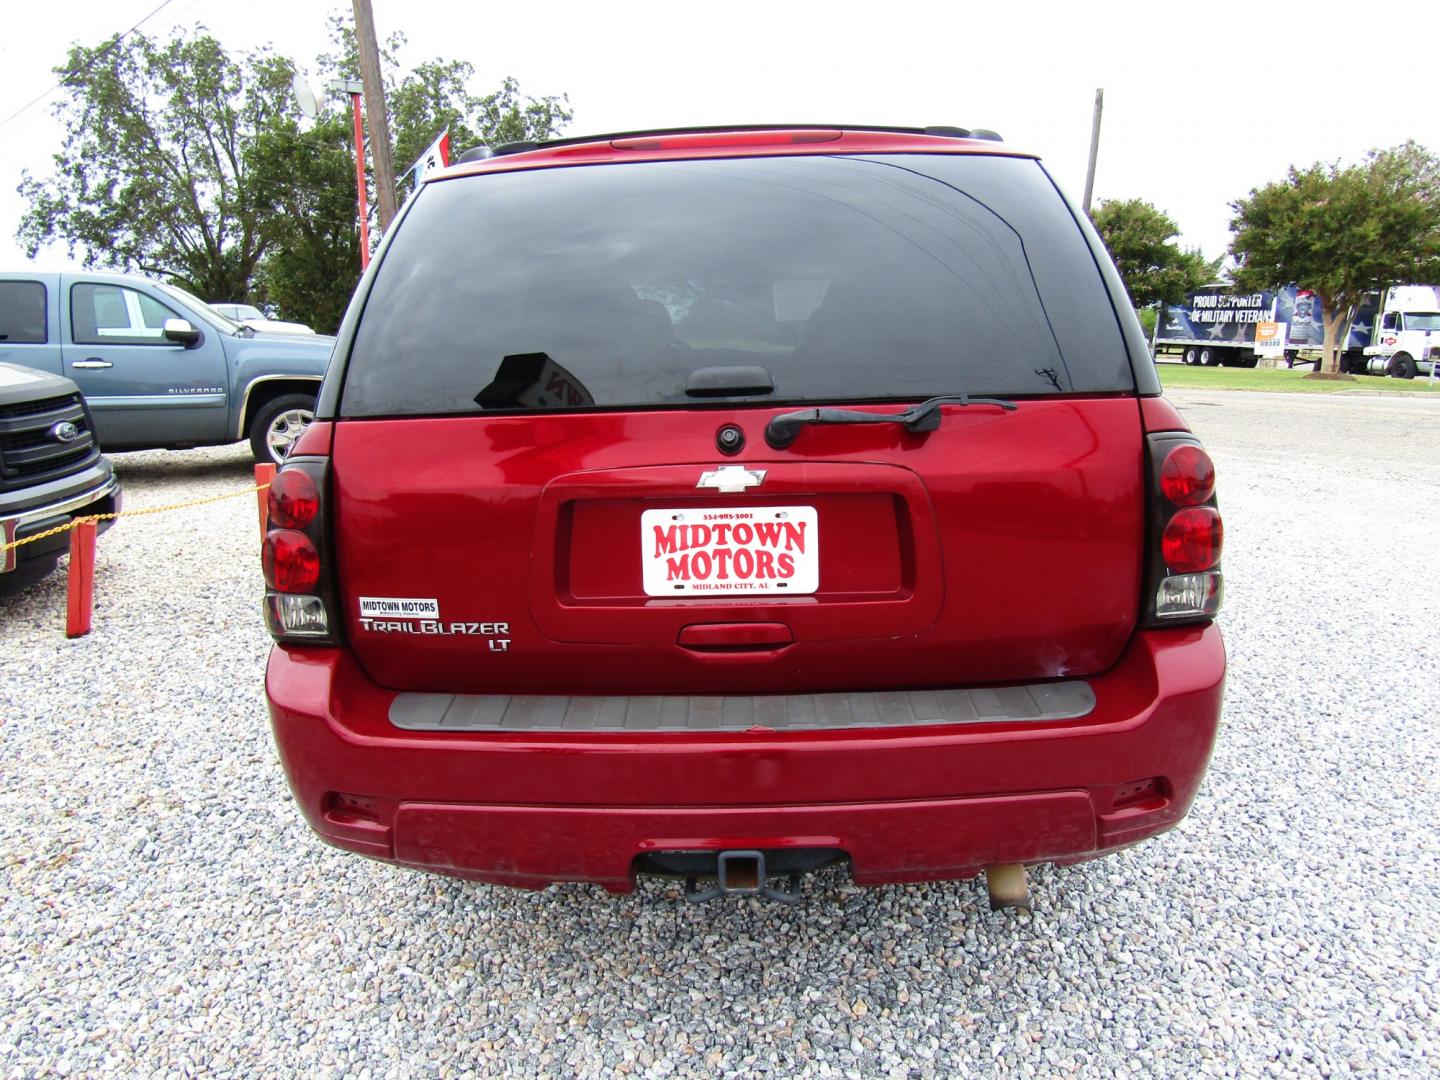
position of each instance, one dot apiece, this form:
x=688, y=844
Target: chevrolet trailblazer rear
x=729, y=504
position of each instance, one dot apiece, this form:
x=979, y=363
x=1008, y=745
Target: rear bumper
x=911, y=804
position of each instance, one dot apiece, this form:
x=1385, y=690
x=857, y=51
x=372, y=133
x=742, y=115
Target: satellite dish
x=305, y=99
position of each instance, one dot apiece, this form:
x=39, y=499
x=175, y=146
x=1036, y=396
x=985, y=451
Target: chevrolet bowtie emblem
x=729, y=478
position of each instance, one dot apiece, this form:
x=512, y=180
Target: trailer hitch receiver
x=742, y=873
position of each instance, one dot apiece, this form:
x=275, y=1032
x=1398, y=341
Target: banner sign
x=1302, y=310
x=433, y=158
x=1228, y=308
x=1220, y=318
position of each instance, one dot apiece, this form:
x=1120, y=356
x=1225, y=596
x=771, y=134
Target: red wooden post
x=360, y=183
x=81, y=579
x=264, y=474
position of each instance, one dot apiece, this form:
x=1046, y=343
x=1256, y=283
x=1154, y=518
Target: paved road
x=163, y=909
x=1345, y=436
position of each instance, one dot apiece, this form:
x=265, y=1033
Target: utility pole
x=1094, y=141
x=375, y=110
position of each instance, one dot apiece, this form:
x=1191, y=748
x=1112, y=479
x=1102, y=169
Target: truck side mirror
x=180, y=330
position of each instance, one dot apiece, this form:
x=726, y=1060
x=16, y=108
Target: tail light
x=1192, y=539
x=1185, y=533
x=296, y=556
x=291, y=561
x=1187, y=477
x=294, y=499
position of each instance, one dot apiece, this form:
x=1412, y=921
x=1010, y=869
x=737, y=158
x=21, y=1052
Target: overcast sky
x=1203, y=101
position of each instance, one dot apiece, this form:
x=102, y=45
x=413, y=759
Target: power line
x=111, y=45
x=174, y=20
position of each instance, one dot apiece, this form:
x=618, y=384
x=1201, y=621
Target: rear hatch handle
x=785, y=428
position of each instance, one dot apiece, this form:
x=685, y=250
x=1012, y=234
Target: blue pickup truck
x=158, y=367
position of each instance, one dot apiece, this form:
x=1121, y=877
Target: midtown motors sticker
x=421, y=616
x=716, y=551
x=398, y=607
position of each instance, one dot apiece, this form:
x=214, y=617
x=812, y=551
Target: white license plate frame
x=780, y=546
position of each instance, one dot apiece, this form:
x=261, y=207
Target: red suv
x=725, y=504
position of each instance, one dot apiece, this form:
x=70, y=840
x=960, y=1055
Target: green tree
x=1141, y=240
x=436, y=95
x=312, y=270
x=309, y=177
x=1342, y=232
x=185, y=162
x=154, y=172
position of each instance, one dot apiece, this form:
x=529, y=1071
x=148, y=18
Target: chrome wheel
x=276, y=425
x=284, y=429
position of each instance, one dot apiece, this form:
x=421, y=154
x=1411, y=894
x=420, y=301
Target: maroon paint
x=1157, y=414
x=1000, y=548
x=1017, y=558
x=315, y=439
x=848, y=142
x=907, y=804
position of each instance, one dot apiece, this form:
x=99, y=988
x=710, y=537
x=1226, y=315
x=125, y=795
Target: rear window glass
x=670, y=283
x=22, y=313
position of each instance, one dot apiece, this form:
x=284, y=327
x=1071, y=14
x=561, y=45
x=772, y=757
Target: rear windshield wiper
x=785, y=428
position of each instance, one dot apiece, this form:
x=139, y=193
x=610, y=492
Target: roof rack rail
x=963, y=133
x=520, y=146
x=479, y=152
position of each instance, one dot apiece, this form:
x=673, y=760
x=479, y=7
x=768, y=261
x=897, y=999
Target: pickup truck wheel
x=278, y=424
x=1401, y=366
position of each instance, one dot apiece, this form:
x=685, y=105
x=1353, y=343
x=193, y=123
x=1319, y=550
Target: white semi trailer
x=1216, y=325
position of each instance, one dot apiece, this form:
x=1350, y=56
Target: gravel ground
x=164, y=909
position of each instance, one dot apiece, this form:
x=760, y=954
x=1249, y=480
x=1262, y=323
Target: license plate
x=724, y=550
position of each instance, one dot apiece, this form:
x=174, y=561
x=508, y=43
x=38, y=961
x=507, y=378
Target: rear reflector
x=1188, y=596
x=302, y=616
x=1192, y=539
x=1139, y=792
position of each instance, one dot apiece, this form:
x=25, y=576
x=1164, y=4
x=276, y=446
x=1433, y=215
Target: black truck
x=51, y=471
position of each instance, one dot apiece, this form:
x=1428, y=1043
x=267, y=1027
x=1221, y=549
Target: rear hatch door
x=538, y=447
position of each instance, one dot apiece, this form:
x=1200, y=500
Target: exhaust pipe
x=1008, y=887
